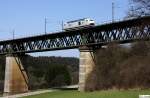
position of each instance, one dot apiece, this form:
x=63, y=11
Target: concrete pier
x=16, y=80
x=86, y=66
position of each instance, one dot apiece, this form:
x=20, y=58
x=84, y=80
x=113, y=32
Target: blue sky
x=26, y=17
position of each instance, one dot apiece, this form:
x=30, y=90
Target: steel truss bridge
x=120, y=32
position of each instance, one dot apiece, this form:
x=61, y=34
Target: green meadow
x=97, y=94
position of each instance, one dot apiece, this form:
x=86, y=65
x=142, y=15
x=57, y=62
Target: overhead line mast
x=113, y=11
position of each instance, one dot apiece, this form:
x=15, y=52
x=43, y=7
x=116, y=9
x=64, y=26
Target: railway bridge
x=87, y=40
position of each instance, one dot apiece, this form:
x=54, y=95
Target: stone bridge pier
x=16, y=80
x=86, y=67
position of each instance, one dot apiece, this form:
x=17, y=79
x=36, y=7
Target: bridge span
x=87, y=40
x=121, y=32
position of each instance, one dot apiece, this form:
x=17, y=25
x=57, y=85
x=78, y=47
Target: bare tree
x=139, y=8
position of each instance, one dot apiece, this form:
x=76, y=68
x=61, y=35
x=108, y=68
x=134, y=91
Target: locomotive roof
x=77, y=20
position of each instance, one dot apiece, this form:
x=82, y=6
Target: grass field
x=97, y=94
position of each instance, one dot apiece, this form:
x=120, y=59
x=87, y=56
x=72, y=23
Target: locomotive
x=78, y=24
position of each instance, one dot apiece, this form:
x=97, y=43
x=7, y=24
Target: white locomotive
x=78, y=24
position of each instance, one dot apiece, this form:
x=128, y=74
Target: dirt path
x=28, y=94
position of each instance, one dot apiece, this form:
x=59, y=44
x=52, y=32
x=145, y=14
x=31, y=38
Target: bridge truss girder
x=121, y=32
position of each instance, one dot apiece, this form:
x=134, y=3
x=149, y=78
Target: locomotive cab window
x=79, y=23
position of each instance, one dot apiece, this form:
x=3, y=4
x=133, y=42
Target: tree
x=139, y=8
x=57, y=75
